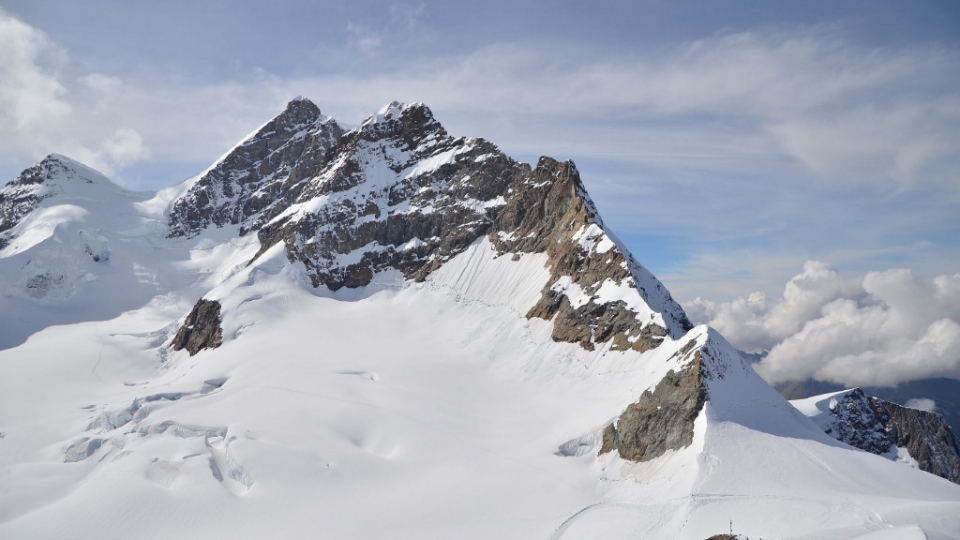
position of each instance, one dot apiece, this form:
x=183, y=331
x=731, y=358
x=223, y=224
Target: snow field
x=398, y=410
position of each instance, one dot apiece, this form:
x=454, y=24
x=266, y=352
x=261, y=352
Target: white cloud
x=101, y=83
x=881, y=328
x=844, y=112
x=401, y=26
x=39, y=114
x=119, y=150
x=31, y=94
x=744, y=101
x=364, y=39
x=922, y=404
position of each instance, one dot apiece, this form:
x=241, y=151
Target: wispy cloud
x=401, y=26
x=40, y=114
x=739, y=101
x=847, y=113
x=32, y=96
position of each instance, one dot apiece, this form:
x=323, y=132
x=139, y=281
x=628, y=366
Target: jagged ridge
x=261, y=176
x=400, y=193
x=881, y=427
x=663, y=417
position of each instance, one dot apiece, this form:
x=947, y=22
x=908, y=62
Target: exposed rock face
x=261, y=176
x=553, y=214
x=927, y=438
x=21, y=196
x=399, y=192
x=201, y=330
x=663, y=419
x=945, y=392
x=880, y=427
x=859, y=421
x=55, y=176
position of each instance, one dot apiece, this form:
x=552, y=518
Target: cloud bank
x=878, y=329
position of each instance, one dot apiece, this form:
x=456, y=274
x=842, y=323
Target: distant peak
x=60, y=158
x=394, y=107
x=301, y=107
x=395, y=110
x=390, y=111
x=300, y=101
x=66, y=163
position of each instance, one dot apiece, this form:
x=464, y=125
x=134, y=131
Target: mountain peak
x=412, y=121
x=394, y=110
x=400, y=193
x=300, y=99
x=885, y=428
x=54, y=175
x=390, y=110
x=703, y=368
x=58, y=167
x=254, y=180
x=299, y=110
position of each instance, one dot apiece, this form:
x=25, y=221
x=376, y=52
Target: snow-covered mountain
x=943, y=394
x=387, y=332
x=919, y=438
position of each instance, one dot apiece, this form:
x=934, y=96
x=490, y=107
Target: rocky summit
x=881, y=427
x=400, y=193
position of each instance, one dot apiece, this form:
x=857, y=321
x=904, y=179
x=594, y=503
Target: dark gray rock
x=22, y=195
x=660, y=420
x=399, y=192
x=879, y=427
x=859, y=421
x=927, y=438
x=943, y=391
x=261, y=176
x=201, y=329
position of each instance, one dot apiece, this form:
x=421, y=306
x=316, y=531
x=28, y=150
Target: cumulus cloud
x=878, y=329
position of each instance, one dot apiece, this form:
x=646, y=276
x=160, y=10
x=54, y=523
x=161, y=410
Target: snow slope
x=400, y=409
x=87, y=250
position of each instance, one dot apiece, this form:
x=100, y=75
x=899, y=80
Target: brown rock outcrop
x=660, y=420
x=201, y=329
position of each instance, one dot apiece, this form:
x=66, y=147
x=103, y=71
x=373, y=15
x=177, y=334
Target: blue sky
x=725, y=142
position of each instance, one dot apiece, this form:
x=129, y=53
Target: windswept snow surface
x=396, y=410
